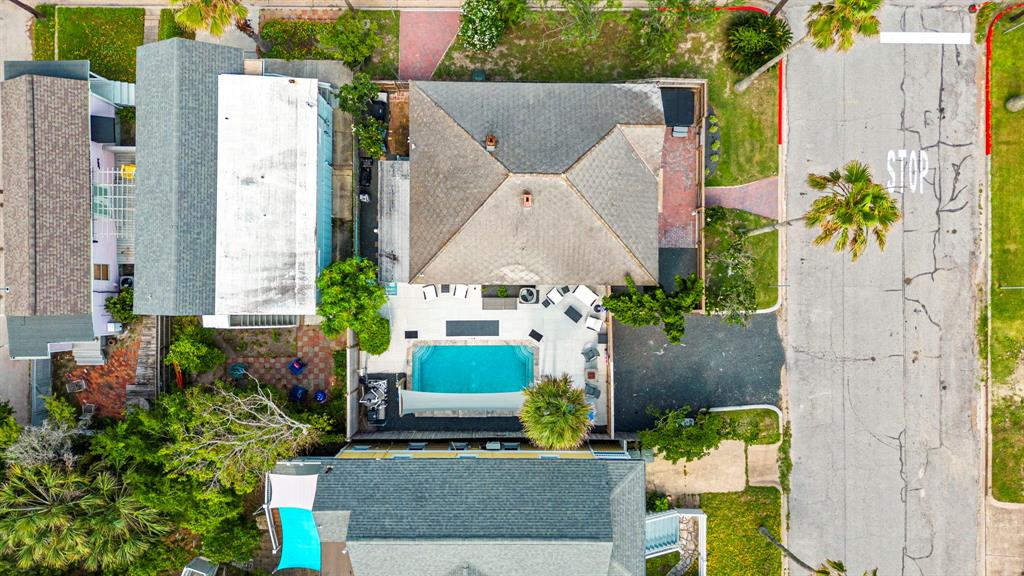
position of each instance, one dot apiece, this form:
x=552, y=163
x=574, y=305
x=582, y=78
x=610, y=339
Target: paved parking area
x=717, y=365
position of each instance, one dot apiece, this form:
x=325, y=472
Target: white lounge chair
x=586, y=295
x=555, y=295
x=460, y=291
x=430, y=292
x=594, y=323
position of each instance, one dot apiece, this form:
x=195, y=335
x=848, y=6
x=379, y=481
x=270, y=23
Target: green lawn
x=107, y=37
x=297, y=39
x=42, y=33
x=169, y=27
x=535, y=51
x=735, y=548
x=759, y=426
x=660, y=565
x=764, y=248
x=1007, y=324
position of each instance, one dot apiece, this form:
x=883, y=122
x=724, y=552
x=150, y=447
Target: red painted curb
x=988, y=77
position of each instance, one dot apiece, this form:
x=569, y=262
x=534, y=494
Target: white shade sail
x=290, y=491
x=412, y=402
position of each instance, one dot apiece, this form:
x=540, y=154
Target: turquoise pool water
x=472, y=369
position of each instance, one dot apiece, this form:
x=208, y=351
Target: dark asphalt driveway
x=716, y=365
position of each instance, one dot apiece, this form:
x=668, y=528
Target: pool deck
x=559, y=351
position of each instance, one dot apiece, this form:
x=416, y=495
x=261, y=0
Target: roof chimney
x=527, y=199
x=491, y=142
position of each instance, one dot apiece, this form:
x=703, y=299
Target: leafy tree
x=60, y=518
x=754, y=38
x=674, y=437
x=732, y=291
x=485, y=21
x=60, y=411
x=352, y=39
x=355, y=96
x=215, y=16
x=120, y=307
x=9, y=429
x=193, y=350
x=829, y=24
x=647, y=308
x=369, y=132
x=855, y=208
x=349, y=293
x=136, y=447
x=233, y=438
x=555, y=414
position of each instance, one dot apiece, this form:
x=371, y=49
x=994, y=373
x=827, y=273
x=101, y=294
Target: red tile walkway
x=760, y=197
x=423, y=39
x=680, y=190
x=105, y=385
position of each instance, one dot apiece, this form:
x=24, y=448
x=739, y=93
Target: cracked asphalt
x=881, y=370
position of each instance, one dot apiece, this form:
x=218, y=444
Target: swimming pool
x=471, y=369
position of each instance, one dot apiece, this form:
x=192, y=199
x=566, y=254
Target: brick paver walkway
x=105, y=385
x=680, y=191
x=423, y=39
x=760, y=197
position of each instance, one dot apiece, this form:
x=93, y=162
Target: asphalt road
x=880, y=362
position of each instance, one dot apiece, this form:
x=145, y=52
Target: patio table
x=573, y=314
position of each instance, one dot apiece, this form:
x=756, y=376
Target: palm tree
x=854, y=208
x=826, y=568
x=829, y=24
x=216, y=16
x=59, y=518
x=555, y=414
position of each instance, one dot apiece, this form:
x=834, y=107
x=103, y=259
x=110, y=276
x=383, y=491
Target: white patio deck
x=560, y=348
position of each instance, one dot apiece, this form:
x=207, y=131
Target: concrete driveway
x=881, y=368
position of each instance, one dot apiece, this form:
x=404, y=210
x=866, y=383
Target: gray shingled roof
x=176, y=149
x=544, y=128
x=47, y=205
x=489, y=516
x=595, y=214
x=28, y=336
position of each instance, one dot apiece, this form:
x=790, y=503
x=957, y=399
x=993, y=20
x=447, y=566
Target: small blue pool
x=472, y=369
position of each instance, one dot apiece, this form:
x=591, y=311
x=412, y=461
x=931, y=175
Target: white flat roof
x=266, y=195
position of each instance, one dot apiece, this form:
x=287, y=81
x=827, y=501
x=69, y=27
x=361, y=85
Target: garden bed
x=734, y=546
x=298, y=40
x=1007, y=325
x=536, y=51
x=106, y=37
x=763, y=247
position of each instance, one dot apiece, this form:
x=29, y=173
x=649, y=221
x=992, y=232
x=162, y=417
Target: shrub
x=713, y=129
x=369, y=132
x=9, y=429
x=374, y=334
x=753, y=39
x=714, y=157
x=555, y=414
x=352, y=39
x=657, y=502
x=61, y=411
x=647, y=308
x=194, y=350
x=169, y=27
x=340, y=366
x=674, y=438
x=120, y=307
x=716, y=145
x=485, y=21
x=235, y=540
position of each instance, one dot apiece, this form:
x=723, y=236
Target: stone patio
x=105, y=384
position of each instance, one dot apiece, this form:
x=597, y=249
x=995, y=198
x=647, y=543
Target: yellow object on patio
x=128, y=171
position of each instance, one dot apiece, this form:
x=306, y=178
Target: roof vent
x=527, y=199
x=491, y=142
